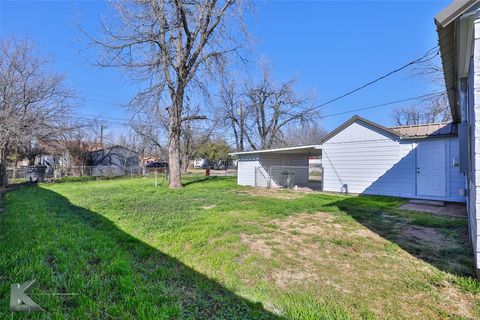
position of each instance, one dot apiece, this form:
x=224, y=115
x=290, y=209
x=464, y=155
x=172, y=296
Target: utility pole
x=101, y=135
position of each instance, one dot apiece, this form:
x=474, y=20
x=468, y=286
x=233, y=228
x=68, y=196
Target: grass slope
x=124, y=249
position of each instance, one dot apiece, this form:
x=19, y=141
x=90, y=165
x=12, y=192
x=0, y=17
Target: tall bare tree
x=33, y=99
x=172, y=46
x=272, y=108
x=234, y=113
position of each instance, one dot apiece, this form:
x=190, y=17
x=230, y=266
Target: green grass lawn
x=123, y=249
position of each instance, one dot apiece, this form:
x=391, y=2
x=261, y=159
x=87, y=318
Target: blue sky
x=330, y=47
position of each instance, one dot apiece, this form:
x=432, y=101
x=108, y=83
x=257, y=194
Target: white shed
x=419, y=161
x=275, y=168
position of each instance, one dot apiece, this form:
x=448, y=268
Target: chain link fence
x=287, y=176
x=56, y=173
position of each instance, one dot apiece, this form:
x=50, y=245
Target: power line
x=422, y=59
x=384, y=104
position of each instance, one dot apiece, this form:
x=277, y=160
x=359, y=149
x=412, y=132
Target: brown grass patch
x=317, y=253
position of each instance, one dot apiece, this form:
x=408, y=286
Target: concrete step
x=433, y=203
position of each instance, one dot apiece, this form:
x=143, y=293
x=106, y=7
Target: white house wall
x=474, y=122
x=375, y=163
x=358, y=132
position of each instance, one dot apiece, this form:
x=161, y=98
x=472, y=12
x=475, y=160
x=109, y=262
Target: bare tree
x=194, y=138
x=434, y=108
x=234, y=113
x=274, y=107
x=172, y=46
x=33, y=100
x=304, y=135
x=83, y=138
x=431, y=110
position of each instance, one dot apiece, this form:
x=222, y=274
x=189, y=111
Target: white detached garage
x=275, y=168
x=419, y=161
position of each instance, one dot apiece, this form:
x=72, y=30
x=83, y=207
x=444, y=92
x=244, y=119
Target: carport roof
x=311, y=150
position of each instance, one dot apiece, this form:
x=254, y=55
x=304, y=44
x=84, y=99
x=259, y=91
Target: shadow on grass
x=199, y=179
x=69, y=249
x=440, y=241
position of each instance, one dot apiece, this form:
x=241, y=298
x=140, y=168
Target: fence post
x=323, y=179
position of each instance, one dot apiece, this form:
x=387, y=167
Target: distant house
x=53, y=153
x=64, y=153
x=200, y=163
x=148, y=159
x=113, y=161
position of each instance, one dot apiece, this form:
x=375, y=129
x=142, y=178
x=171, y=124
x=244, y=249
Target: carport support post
x=269, y=177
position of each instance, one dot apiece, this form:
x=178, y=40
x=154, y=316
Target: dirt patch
x=285, y=278
x=424, y=235
x=258, y=245
x=209, y=207
x=272, y=193
x=320, y=253
x=449, y=209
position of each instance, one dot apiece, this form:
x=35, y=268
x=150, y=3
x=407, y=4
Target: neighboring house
x=315, y=163
x=275, y=168
x=458, y=28
x=113, y=161
x=53, y=153
x=64, y=153
x=147, y=159
x=200, y=163
x=417, y=161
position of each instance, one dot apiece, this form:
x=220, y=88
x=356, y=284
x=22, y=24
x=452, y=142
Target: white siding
x=255, y=169
x=358, y=132
x=456, y=180
x=246, y=169
x=378, y=164
x=474, y=121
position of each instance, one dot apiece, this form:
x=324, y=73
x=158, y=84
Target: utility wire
x=424, y=96
x=422, y=59
x=384, y=104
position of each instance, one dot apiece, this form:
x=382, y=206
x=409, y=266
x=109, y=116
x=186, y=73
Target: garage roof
x=311, y=150
x=427, y=130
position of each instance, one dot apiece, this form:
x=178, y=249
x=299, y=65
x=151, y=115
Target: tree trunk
x=3, y=168
x=185, y=163
x=174, y=152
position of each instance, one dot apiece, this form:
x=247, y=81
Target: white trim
x=465, y=45
x=301, y=149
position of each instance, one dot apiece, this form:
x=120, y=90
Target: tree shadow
x=112, y=274
x=440, y=241
x=201, y=179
